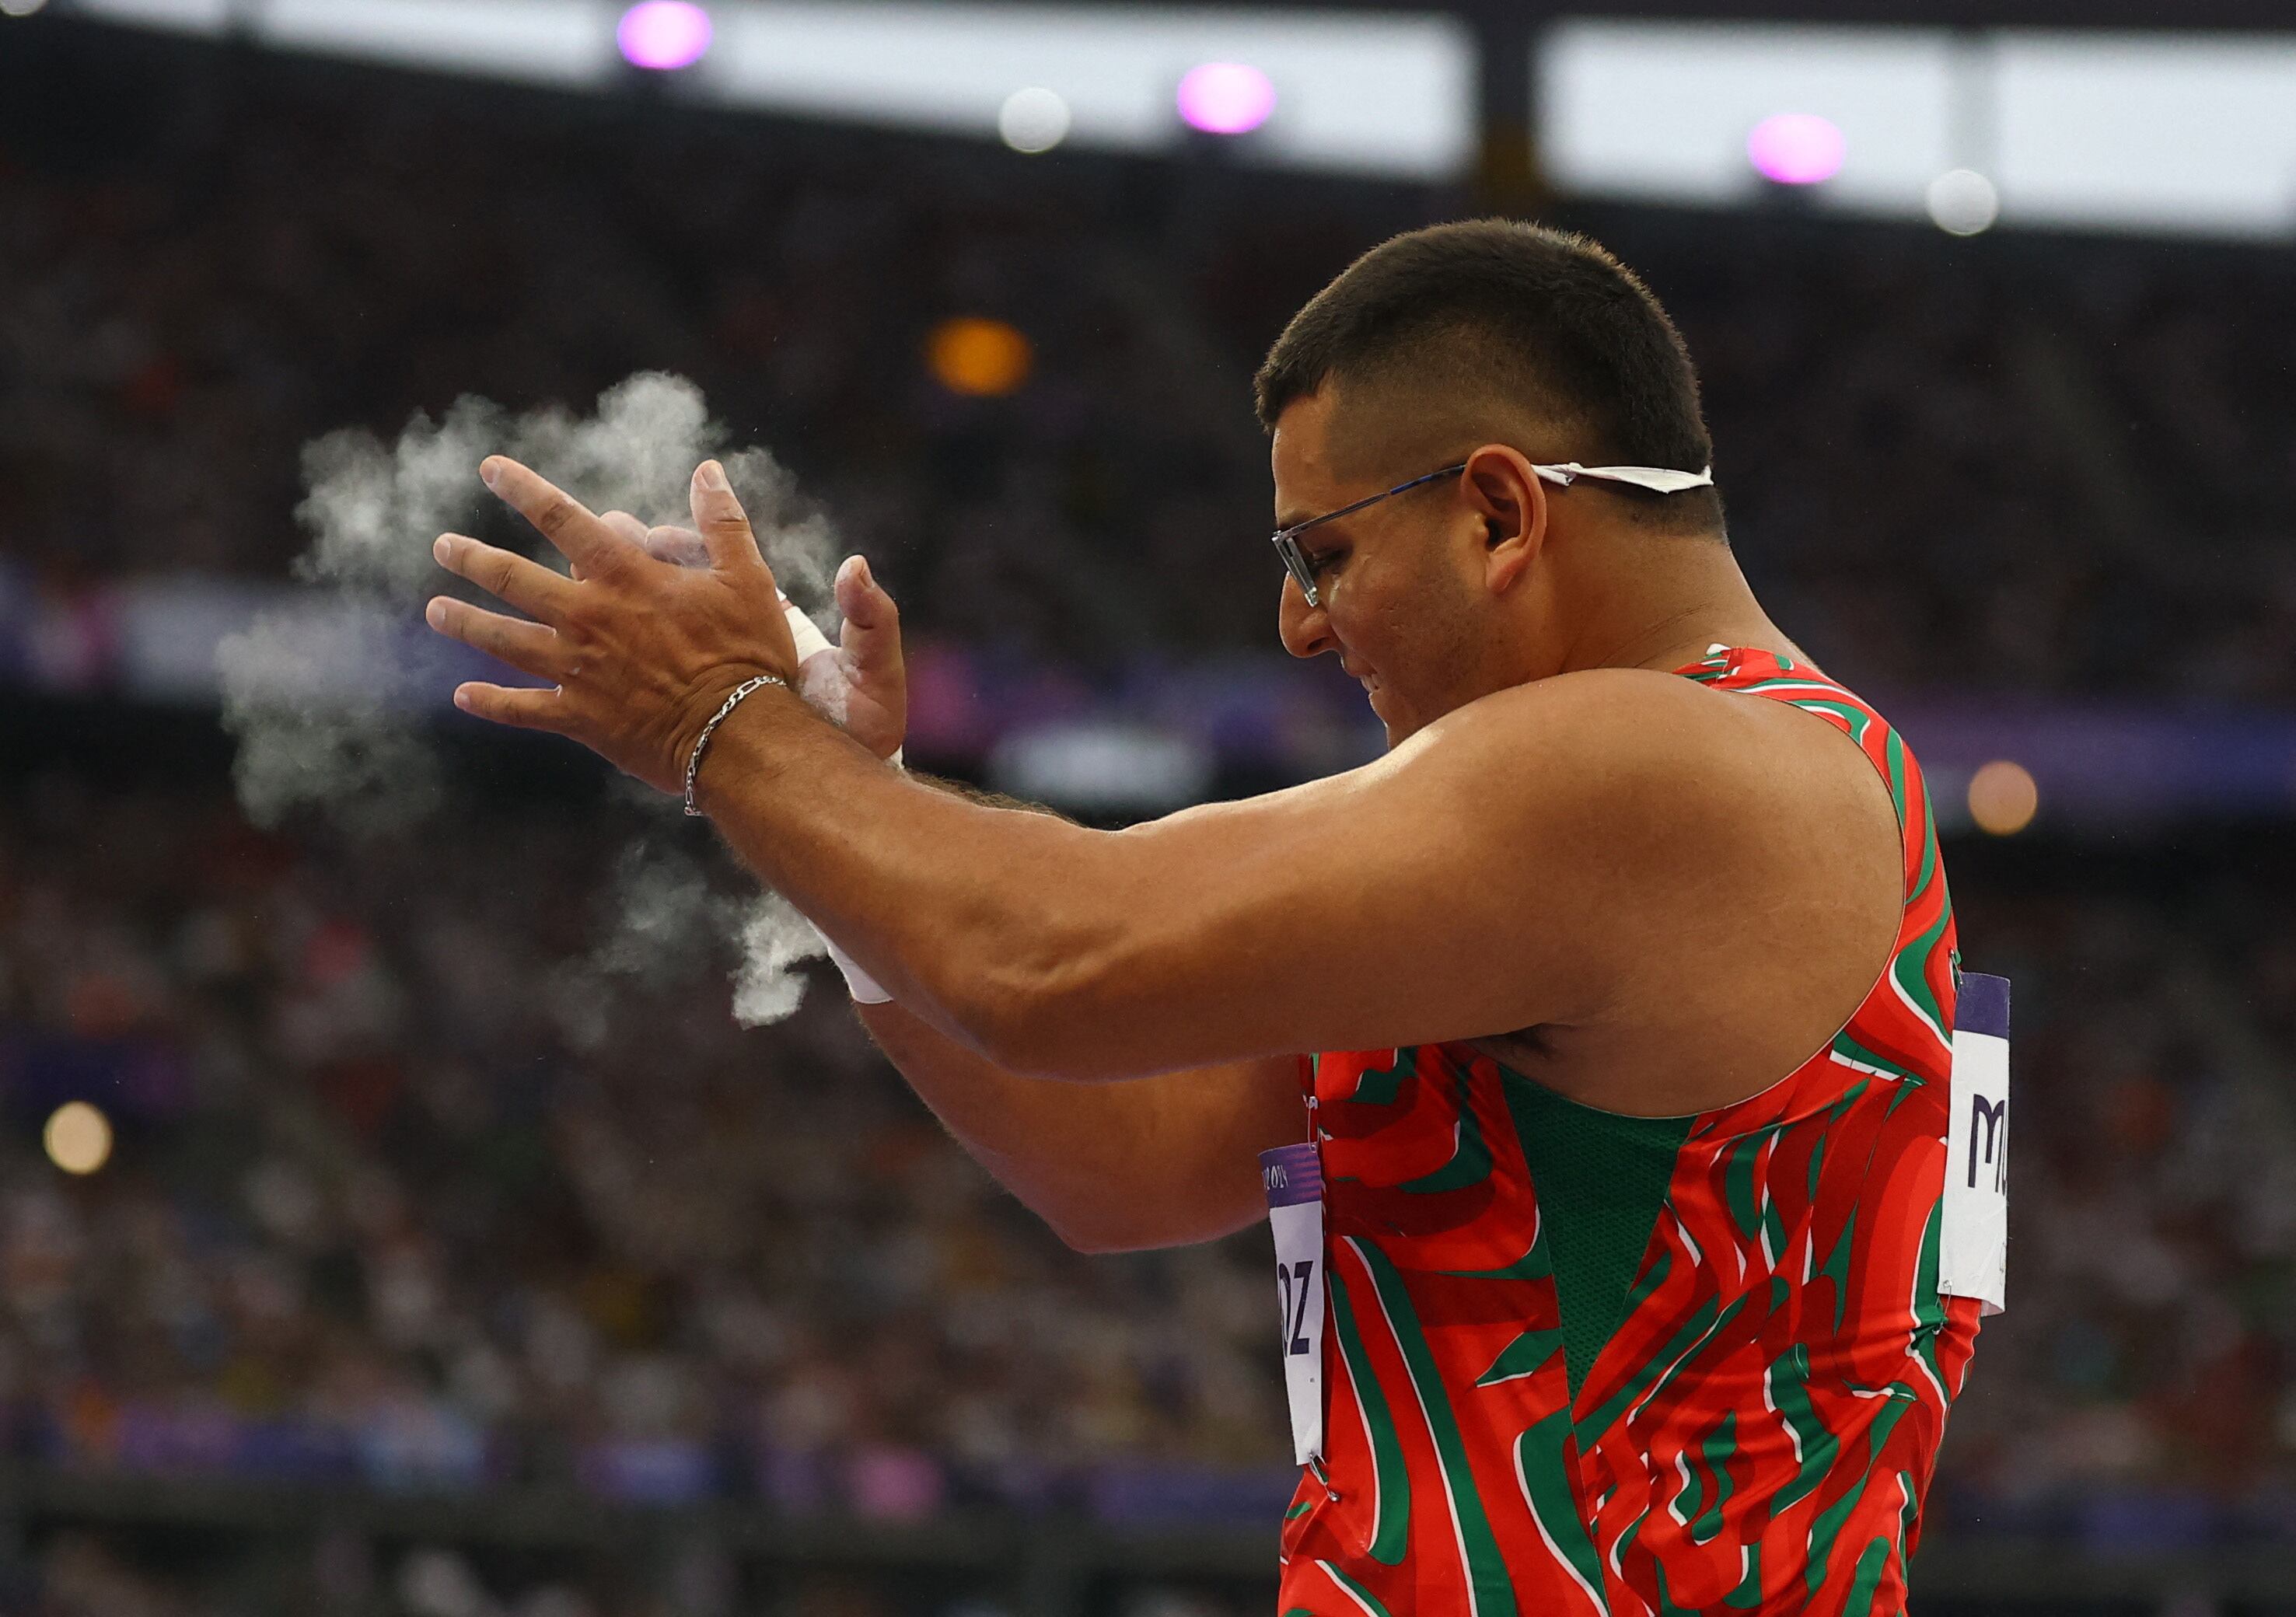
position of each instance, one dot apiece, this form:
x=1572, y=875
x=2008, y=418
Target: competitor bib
x=1294, y=1180
x=1973, y=1250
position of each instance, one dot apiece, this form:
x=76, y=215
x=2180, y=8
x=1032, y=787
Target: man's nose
x=1305, y=630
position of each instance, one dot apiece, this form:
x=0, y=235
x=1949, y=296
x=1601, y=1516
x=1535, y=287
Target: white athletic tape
x=865, y=988
x=807, y=634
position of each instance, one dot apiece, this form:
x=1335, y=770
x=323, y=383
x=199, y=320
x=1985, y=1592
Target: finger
x=725, y=526
x=626, y=527
x=531, y=646
x=872, y=634
x=681, y=546
x=561, y=519
x=528, y=586
x=521, y=709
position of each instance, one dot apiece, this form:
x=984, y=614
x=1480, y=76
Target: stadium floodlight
x=1962, y=202
x=1796, y=148
x=1033, y=119
x=664, y=35
x=1226, y=98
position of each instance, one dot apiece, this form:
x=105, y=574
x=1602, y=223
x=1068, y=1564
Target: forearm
x=940, y=899
x=1160, y=1161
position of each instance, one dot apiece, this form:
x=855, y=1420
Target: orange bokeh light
x=979, y=357
x=2003, y=797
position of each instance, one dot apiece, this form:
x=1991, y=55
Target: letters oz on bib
x=1294, y=1180
x=1974, y=1248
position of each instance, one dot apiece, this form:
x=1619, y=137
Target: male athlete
x=1628, y=976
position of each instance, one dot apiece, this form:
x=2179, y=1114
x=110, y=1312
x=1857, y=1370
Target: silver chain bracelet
x=701, y=740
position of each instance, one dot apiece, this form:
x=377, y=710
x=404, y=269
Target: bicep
x=1498, y=871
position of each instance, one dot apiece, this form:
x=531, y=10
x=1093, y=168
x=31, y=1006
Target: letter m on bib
x=1974, y=1250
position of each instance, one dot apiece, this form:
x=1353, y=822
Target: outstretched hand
x=642, y=651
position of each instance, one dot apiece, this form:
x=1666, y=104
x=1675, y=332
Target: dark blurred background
x=350, y=1261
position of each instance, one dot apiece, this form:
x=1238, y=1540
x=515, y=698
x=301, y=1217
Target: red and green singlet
x=1577, y=1363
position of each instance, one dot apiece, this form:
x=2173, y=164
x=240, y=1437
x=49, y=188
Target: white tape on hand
x=805, y=631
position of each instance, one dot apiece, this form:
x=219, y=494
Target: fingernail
x=462, y=700
x=488, y=471
x=868, y=578
x=440, y=548
x=710, y=475
x=436, y=614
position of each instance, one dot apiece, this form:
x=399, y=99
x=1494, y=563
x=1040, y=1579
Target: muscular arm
x=1598, y=853
x=1578, y=829
x=1160, y=1162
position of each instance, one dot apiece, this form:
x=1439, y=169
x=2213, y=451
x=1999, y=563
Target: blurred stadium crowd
x=409, y=1193
x=2030, y=465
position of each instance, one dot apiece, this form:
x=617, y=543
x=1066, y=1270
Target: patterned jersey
x=1577, y=1362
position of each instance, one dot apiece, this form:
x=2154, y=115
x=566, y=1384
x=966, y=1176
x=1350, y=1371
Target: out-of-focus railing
x=1046, y=1565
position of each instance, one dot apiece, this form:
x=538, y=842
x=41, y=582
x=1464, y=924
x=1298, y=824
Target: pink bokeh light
x=664, y=35
x=1796, y=148
x=1226, y=98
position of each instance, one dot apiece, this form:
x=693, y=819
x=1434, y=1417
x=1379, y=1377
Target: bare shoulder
x=1750, y=862
x=1683, y=750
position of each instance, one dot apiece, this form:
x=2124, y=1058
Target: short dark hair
x=1537, y=318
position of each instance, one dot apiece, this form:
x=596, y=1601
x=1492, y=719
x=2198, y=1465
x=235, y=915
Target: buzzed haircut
x=1500, y=317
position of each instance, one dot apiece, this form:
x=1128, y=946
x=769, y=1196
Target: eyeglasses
x=1561, y=474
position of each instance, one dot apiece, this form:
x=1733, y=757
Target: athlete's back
x=1580, y=1361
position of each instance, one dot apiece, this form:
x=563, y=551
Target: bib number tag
x=1294, y=1180
x=1973, y=1249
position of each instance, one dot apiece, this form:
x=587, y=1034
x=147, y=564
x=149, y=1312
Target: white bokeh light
x=1963, y=202
x=1033, y=119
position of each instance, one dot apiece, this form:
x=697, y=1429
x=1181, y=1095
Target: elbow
x=1091, y=1243
x=1101, y=1241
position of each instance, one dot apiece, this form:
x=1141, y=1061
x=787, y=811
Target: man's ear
x=1511, y=499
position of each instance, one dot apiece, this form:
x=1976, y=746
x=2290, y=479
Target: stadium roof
x=2253, y=16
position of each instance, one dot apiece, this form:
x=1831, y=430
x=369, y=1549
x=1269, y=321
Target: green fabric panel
x=1601, y=1179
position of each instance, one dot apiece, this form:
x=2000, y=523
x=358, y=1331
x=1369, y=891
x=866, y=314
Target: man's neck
x=1663, y=611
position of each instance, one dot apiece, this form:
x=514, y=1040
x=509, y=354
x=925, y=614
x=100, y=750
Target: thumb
x=871, y=636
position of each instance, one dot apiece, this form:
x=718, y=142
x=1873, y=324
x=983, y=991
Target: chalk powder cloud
x=332, y=698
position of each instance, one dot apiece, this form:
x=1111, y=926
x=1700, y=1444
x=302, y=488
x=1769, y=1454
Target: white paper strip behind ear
x=1973, y=1244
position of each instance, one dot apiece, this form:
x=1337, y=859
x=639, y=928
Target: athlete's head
x=1502, y=345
